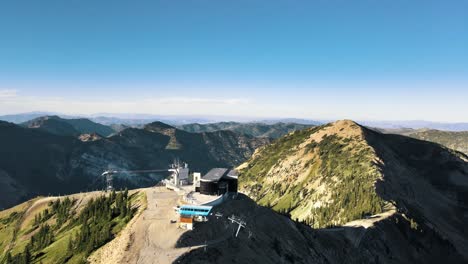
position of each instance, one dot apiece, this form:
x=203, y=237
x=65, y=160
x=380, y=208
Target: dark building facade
x=218, y=181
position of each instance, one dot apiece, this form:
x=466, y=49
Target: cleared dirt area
x=150, y=237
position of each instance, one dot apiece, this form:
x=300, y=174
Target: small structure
x=180, y=174
x=196, y=176
x=186, y=222
x=191, y=213
x=218, y=181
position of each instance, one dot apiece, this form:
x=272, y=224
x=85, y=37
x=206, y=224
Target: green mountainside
x=253, y=129
x=344, y=174
x=64, y=229
x=322, y=176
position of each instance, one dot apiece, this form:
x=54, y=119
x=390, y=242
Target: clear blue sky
x=379, y=59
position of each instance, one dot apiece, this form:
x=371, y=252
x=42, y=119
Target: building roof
x=187, y=220
x=216, y=174
x=232, y=174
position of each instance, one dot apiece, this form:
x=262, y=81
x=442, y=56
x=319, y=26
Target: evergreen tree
x=8, y=258
x=26, y=256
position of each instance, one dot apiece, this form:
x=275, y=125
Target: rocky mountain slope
x=68, y=127
x=275, y=130
x=34, y=162
x=344, y=174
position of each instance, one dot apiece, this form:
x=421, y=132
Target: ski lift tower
x=108, y=175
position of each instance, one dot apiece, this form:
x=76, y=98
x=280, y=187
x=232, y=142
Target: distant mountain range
x=141, y=119
x=23, y=117
x=417, y=124
x=68, y=127
x=454, y=140
x=51, y=159
x=451, y=139
x=275, y=130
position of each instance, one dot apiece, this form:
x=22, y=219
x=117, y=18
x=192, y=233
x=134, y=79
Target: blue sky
x=323, y=59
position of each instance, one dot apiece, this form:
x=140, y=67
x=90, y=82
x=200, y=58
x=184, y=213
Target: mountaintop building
x=219, y=181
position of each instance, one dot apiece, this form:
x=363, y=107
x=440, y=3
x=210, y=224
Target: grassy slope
x=17, y=226
x=323, y=176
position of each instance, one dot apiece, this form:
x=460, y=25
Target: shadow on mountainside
x=427, y=182
x=269, y=237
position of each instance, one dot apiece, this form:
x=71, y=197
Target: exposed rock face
x=342, y=172
x=89, y=137
x=39, y=163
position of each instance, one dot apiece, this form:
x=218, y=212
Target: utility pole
x=237, y=221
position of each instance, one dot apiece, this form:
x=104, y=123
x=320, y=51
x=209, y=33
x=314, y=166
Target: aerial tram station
x=200, y=193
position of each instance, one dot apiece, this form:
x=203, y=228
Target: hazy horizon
x=360, y=60
x=225, y=118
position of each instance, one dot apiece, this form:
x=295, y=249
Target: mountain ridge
x=68, y=127
x=34, y=162
x=256, y=129
x=342, y=172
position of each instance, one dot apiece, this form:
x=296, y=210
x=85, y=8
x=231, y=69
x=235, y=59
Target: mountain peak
x=345, y=123
x=157, y=125
x=342, y=128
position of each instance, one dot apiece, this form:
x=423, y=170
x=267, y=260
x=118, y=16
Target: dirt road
x=151, y=237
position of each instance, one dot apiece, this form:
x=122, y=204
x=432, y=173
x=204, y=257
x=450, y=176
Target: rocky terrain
x=274, y=130
x=36, y=162
x=343, y=174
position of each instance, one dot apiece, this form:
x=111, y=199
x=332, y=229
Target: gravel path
x=150, y=237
